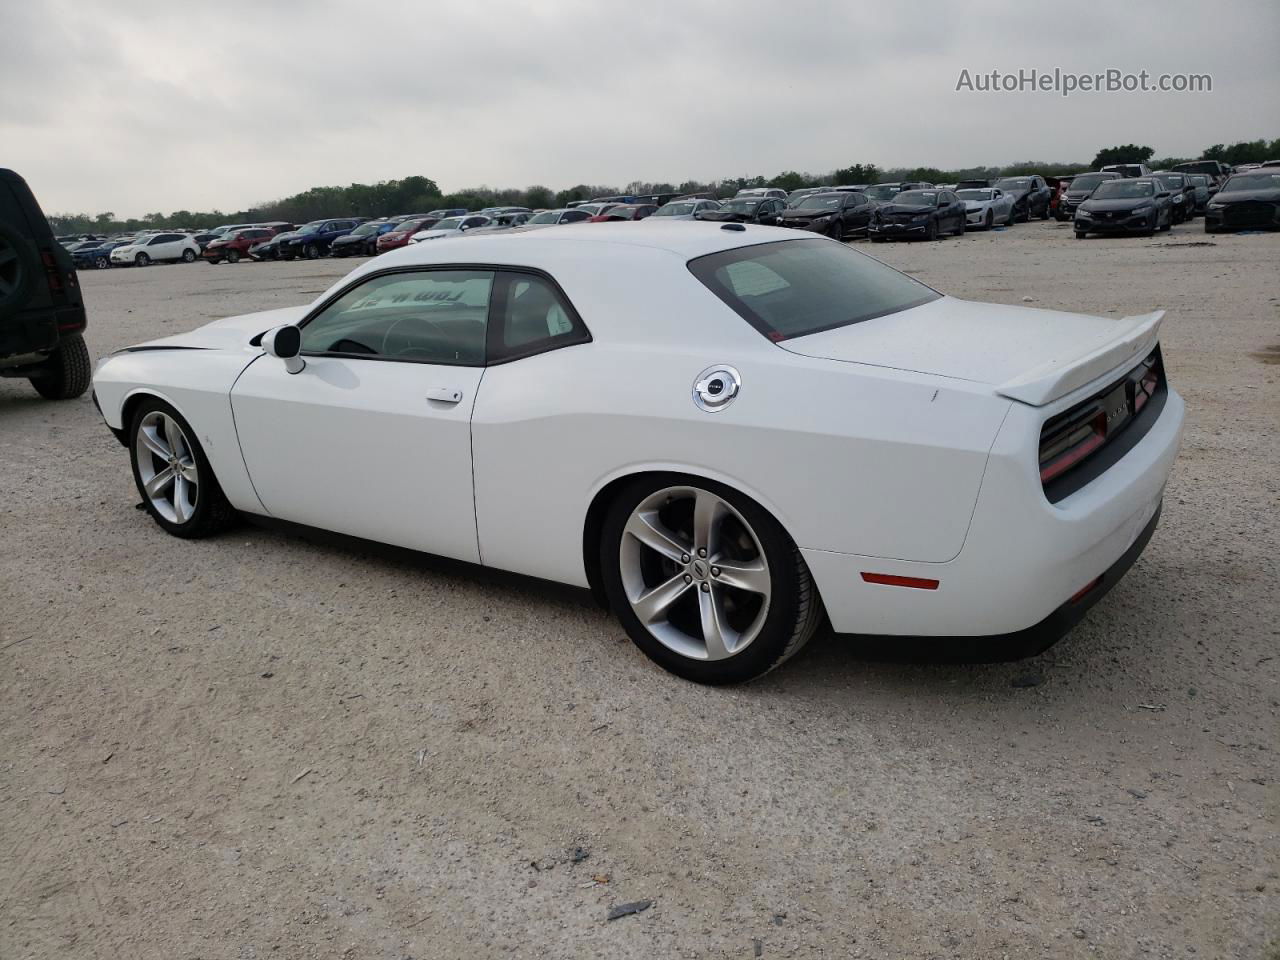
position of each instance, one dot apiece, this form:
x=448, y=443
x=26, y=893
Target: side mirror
x=286, y=343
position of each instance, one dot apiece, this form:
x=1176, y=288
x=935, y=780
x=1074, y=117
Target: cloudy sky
x=140, y=106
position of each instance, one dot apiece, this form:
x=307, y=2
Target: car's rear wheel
x=101, y=263
x=173, y=475
x=1079, y=234
x=142, y=260
x=188, y=256
x=66, y=373
x=233, y=256
x=704, y=580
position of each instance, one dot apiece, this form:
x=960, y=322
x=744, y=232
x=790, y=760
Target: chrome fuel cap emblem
x=716, y=386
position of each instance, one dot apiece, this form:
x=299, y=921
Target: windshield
x=1014, y=183
x=740, y=206
x=452, y=223
x=1124, y=189
x=675, y=210
x=917, y=198
x=1251, y=181
x=975, y=194
x=365, y=229
x=882, y=191
x=311, y=228
x=1087, y=181
x=551, y=216
x=1199, y=179
x=1173, y=180
x=792, y=288
x=820, y=201
x=626, y=212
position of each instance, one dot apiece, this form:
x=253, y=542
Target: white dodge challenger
x=731, y=434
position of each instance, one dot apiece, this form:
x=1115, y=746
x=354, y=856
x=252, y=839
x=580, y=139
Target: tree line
x=419, y=194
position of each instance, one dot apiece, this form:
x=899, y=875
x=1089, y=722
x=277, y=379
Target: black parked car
x=312, y=240
x=918, y=215
x=42, y=317
x=838, y=214
x=1082, y=184
x=363, y=240
x=1182, y=194
x=1031, y=196
x=883, y=192
x=1246, y=201
x=1125, y=205
x=763, y=210
x=269, y=249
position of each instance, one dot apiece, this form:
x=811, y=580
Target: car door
x=373, y=437
x=165, y=246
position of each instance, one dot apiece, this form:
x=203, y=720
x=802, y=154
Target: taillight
x=51, y=272
x=1145, y=388
x=1065, y=447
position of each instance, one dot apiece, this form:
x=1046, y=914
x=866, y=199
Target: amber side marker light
x=1085, y=590
x=893, y=580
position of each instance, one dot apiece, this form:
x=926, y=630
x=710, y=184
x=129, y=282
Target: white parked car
x=155, y=248
x=728, y=432
x=686, y=209
x=554, y=218
x=986, y=206
x=451, y=227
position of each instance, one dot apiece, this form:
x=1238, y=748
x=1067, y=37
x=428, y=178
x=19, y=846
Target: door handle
x=445, y=395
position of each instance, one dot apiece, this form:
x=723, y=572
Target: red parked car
x=1059, y=187
x=625, y=211
x=234, y=244
x=399, y=237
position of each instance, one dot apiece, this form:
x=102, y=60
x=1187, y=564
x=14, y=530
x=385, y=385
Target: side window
x=531, y=316
x=426, y=316
x=573, y=216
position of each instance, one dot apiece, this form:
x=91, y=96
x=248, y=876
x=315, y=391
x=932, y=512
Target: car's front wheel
x=142, y=260
x=932, y=232
x=101, y=263
x=233, y=256
x=312, y=251
x=173, y=474
x=705, y=581
x=67, y=372
x=988, y=221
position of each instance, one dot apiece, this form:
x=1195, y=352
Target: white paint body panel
x=906, y=444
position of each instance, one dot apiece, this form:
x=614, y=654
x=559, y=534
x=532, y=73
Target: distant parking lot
x=289, y=746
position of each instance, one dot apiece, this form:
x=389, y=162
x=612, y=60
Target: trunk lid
x=1033, y=356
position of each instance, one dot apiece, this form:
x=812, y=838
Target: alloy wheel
x=167, y=467
x=695, y=573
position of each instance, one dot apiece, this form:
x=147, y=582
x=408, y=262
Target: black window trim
x=581, y=334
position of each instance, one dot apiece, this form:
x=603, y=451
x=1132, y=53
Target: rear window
x=792, y=288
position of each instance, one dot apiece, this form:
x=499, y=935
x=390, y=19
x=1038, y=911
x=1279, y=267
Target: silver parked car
x=987, y=206
x=686, y=209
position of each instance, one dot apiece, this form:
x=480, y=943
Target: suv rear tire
x=67, y=372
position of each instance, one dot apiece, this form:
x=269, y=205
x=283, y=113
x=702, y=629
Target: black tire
x=233, y=256
x=1044, y=211
x=188, y=256
x=835, y=232
x=1080, y=234
x=212, y=513
x=989, y=221
x=1168, y=224
x=932, y=232
x=311, y=251
x=101, y=263
x=142, y=260
x=960, y=229
x=1209, y=229
x=67, y=372
x=795, y=608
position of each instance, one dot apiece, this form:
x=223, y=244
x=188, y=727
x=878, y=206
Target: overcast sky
x=137, y=107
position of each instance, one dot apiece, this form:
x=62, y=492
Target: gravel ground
x=267, y=745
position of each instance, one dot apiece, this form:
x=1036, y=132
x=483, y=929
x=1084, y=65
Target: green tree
x=858, y=173
x=1129, y=153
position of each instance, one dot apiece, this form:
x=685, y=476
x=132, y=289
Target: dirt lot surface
x=266, y=745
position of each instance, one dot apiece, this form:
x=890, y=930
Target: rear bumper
x=1024, y=558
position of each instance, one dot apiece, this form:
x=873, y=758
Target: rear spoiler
x=1135, y=337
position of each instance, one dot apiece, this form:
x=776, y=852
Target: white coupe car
x=732, y=434
x=987, y=206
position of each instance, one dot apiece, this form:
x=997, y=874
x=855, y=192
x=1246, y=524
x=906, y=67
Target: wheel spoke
x=150, y=438
x=714, y=629
x=187, y=470
x=749, y=575
x=157, y=484
x=706, y=514
x=652, y=606
x=173, y=433
x=180, y=488
x=648, y=529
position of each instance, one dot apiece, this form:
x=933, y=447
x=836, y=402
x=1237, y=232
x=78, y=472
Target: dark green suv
x=42, y=317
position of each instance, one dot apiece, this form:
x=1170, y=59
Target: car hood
x=904, y=208
x=806, y=214
x=230, y=333
x=977, y=204
x=354, y=238
x=434, y=234
x=1026, y=354
x=1243, y=196
x=1119, y=203
x=725, y=215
